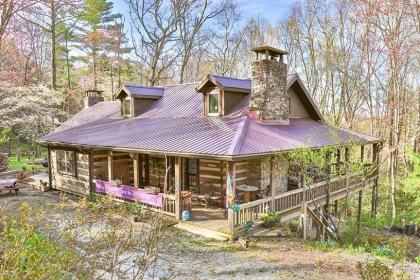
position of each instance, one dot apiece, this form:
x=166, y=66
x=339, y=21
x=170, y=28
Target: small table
x=247, y=191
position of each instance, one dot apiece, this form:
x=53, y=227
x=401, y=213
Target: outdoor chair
x=264, y=192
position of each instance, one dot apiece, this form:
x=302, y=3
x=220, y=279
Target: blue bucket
x=185, y=215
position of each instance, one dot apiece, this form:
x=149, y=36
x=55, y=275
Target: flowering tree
x=30, y=111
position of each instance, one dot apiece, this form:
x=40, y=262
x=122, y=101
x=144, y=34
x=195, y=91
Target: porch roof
x=223, y=137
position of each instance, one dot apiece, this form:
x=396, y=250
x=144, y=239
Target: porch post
x=178, y=173
x=303, y=210
x=91, y=186
x=49, y=168
x=375, y=184
x=110, y=165
x=346, y=166
x=359, y=211
x=272, y=190
x=136, y=170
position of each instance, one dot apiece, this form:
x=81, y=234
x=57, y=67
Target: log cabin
x=207, y=148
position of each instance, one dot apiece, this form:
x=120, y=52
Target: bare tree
x=195, y=13
x=155, y=36
x=224, y=41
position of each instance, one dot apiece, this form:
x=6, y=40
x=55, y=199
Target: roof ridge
x=220, y=76
x=132, y=85
x=239, y=136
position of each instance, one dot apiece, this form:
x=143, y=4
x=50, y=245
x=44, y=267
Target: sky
x=272, y=10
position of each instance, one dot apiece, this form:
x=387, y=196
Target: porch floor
x=211, y=218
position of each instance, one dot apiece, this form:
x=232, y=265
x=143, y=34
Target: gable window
x=66, y=162
x=213, y=109
x=127, y=107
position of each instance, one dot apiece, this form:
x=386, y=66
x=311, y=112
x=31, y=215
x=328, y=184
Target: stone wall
x=279, y=170
x=4, y=162
x=269, y=89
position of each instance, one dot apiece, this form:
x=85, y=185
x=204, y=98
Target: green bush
x=383, y=251
x=375, y=270
x=293, y=225
x=270, y=219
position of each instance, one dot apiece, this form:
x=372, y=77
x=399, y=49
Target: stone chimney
x=93, y=96
x=269, y=97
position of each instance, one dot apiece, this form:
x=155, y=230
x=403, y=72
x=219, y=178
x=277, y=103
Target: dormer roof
x=225, y=83
x=140, y=91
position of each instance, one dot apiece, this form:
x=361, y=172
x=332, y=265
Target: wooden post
x=110, y=166
x=362, y=152
x=359, y=211
x=136, y=170
x=49, y=168
x=273, y=189
x=231, y=222
x=303, y=210
x=90, y=159
x=375, y=185
x=178, y=173
x=231, y=171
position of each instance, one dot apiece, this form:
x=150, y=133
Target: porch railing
x=167, y=208
x=291, y=201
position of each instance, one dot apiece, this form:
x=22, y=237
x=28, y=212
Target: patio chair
x=264, y=192
x=199, y=196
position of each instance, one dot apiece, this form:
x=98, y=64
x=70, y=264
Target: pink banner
x=129, y=193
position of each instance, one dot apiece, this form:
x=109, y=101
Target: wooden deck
x=214, y=219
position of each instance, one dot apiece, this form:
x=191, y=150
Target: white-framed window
x=126, y=103
x=66, y=162
x=213, y=103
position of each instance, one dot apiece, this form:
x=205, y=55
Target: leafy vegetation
x=270, y=219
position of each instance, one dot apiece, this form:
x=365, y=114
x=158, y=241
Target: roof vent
x=93, y=96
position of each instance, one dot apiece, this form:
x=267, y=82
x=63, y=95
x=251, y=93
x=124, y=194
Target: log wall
x=77, y=184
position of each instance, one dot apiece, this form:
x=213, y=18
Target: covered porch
x=173, y=184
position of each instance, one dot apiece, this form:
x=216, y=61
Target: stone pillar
x=269, y=90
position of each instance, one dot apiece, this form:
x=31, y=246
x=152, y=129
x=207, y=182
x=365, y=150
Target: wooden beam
x=136, y=170
x=178, y=174
x=359, y=211
x=272, y=190
x=90, y=159
x=110, y=166
x=375, y=163
x=49, y=168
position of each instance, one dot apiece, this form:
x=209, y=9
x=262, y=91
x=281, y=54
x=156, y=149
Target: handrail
x=290, y=200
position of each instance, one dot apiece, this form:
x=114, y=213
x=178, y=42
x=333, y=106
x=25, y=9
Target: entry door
x=190, y=174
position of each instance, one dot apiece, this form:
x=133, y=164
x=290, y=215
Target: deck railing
x=291, y=201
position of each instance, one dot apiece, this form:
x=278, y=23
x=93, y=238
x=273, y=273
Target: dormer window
x=127, y=107
x=213, y=108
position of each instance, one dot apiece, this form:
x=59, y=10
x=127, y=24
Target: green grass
x=25, y=163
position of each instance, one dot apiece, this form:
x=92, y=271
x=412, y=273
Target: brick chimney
x=269, y=97
x=93, y=96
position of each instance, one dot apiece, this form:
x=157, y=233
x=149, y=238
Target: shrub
x=399, y=246
x=375, y=270
x=293, y=226
x=270, y=219
x=383, y=251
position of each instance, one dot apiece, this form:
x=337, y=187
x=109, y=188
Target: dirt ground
x=196, y=257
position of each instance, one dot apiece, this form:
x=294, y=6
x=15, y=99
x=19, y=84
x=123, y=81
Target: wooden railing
x=291, y=201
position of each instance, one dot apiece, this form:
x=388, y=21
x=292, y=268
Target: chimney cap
x=94, y=92
x=271, y=51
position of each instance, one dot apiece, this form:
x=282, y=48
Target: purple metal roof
x=233, y=82
x=175, y=124
x=178, y=101
x=179, y=135
x=101, y=110
x=144, y=91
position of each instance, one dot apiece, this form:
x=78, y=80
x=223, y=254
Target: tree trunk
x=53, y=46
